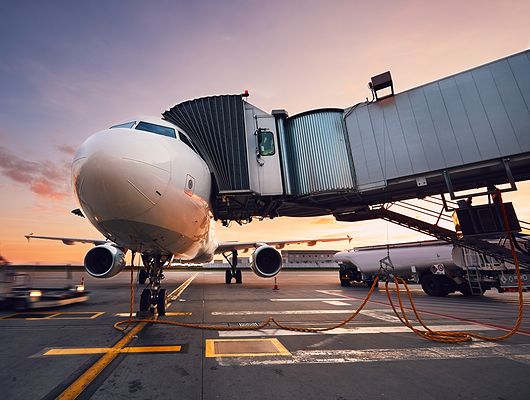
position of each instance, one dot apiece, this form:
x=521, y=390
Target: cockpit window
x=158, y=129
x=186, y=141
x=125, y=125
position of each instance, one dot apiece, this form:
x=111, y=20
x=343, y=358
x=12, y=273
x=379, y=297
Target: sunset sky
x=70, y=68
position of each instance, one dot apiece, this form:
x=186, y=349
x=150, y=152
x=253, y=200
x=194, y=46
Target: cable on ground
x=427, y=333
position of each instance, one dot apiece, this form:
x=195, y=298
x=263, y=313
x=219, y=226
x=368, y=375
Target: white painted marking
x=352, y=331
x=334, y=293
x=288, y=312
x=337, y=303
x=522, y=358
x=314, y=299
x=464, y=351
x=381, y=315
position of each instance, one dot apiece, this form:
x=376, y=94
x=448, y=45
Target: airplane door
x=263, y=152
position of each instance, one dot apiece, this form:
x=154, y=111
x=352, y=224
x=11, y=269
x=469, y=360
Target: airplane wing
x=279, y=244
x=68, y=241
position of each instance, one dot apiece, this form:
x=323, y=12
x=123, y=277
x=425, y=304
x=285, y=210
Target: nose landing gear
x=153, y=297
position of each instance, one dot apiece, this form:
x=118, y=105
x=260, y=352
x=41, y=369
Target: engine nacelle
x=266, y=261
x=104, y=261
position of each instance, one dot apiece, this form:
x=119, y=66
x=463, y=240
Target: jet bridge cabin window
x=158, y=129
x=266, y=143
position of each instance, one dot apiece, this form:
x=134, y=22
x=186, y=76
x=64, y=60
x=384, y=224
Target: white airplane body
x=133, y=187
x=144, y=186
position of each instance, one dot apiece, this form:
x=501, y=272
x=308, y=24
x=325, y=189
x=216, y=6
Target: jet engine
x=104, y=261
x=266, y=261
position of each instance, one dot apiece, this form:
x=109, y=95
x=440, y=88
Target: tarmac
x=74, y=352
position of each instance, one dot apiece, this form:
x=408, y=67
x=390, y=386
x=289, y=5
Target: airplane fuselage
x=146, y=190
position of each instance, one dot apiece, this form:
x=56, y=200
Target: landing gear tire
x=161, y=302
x=228, y=276
x=345, y=283
x=145, y=300
x=239, y=277
x=142, y=276
x=435, y=285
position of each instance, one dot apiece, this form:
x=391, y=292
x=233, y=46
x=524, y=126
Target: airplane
x=144, y=186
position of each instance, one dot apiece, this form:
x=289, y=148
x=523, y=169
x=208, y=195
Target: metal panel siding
x=433, y=150
x=520, y=65
x=465, y=140
x=477, y=115
x=283, y=144
x=317, y=152
x=444, y=131
x=411, y=135
x=492, y=102
x=513, y=101
x=368, y=166
x=478, y=120
x=396, y=140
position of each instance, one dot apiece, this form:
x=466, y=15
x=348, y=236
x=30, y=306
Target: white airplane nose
x=119, y=173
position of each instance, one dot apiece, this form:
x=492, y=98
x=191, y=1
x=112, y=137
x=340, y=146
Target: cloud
x=45, y=178
x=66, y=149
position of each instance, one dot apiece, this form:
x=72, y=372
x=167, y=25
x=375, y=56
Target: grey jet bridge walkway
x=465, y=131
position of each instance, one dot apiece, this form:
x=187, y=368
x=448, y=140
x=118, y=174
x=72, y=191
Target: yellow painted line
x=152, y=349
x=178, y=291
x=85, y=315
x=55, y=315
x=210, y=348
x=78, y=351
x=50, y=316
x=81, y=383
x=102, y=350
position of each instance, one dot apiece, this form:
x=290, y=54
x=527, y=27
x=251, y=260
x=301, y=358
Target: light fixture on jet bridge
x=380, y=82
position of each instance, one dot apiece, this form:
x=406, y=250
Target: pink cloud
x=66, y=149
x=45, y=178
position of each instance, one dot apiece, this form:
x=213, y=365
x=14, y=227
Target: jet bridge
x=465, y=131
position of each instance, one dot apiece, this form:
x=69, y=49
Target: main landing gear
x=232, y=272
x=153, y=297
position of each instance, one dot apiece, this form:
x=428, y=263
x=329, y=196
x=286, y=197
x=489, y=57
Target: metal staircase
x=481, y=246
x=472, y=262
